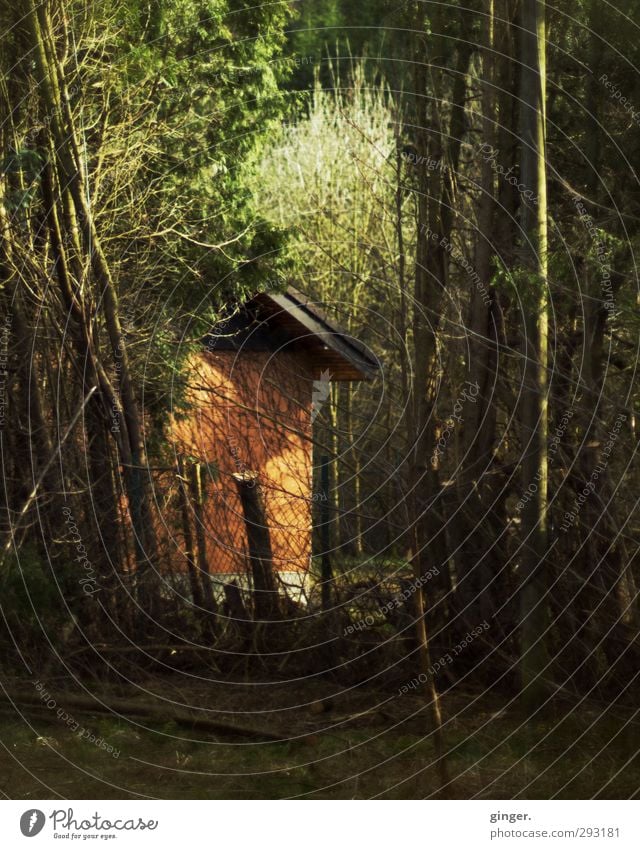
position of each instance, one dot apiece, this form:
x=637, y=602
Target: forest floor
x=350, y=746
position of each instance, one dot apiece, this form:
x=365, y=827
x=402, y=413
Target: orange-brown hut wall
x=251, y=413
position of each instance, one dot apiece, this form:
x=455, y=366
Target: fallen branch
x=122, y=708
x=172, y=648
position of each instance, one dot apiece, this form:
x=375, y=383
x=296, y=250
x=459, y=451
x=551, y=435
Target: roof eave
x=295, y=306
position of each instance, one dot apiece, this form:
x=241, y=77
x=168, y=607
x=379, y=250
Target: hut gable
x=254, y=394
x=273, y=321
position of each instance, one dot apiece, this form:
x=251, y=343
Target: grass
x=495, y=754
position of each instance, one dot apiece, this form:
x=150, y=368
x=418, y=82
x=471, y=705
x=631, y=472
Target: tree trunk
x=197, y=497
x=189, y=545
x=472, y=531
x=69, y=162
x=534, y=542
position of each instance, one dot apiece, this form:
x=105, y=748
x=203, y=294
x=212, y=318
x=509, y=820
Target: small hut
x=255, y=389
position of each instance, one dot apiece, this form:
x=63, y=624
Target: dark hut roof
x=274, y=321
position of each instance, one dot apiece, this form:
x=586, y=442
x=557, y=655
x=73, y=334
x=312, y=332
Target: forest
x=319, y=336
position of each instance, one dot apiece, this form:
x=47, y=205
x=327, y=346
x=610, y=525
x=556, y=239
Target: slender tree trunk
x=471, y=532
x=534, y=545
x=187, y=532
x=69, y=161
x=429, y=689
x=436, y=205
x=197, y=497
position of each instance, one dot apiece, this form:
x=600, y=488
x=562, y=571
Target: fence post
x=260, y=556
